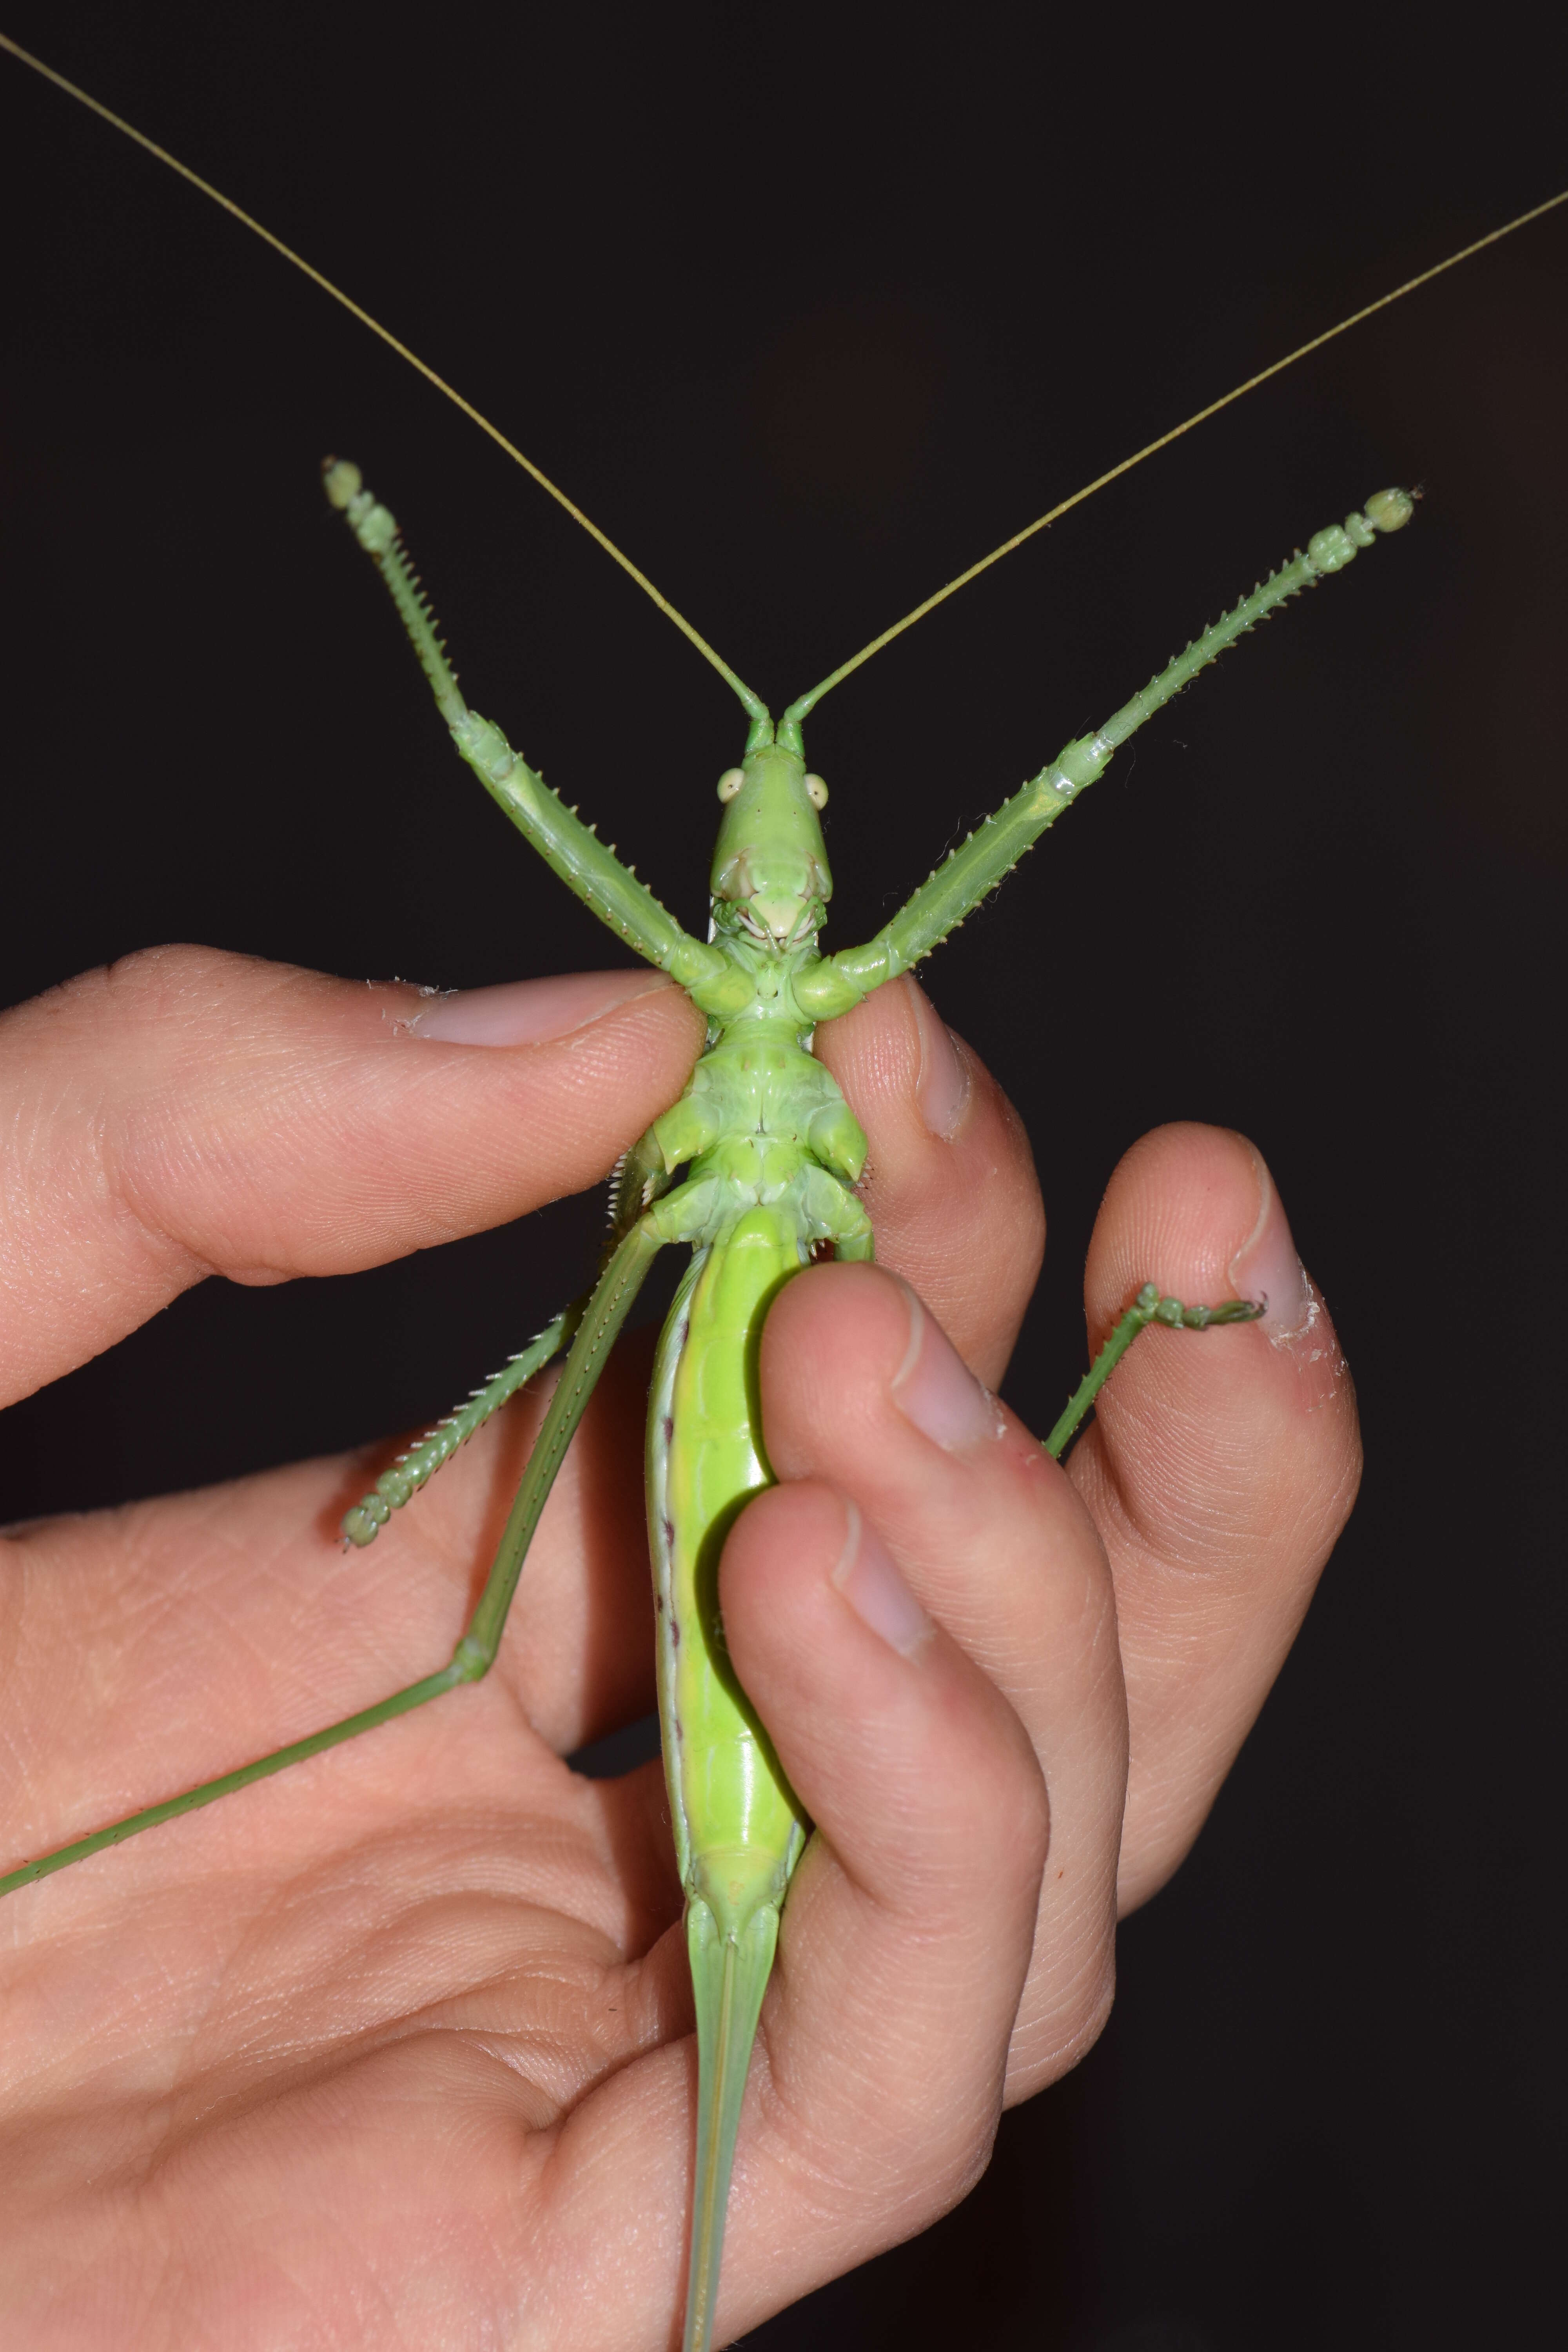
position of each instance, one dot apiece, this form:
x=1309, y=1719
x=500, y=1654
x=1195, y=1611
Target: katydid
x=753, y=1213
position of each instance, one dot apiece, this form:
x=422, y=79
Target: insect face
x=770, y=876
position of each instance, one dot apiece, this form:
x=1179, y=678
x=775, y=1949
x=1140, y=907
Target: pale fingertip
x=529, y=1012
x=944, y=1084
x=935, y=1390
x=1266, y=1268
x=867, y=1576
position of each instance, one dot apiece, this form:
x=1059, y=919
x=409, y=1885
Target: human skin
x=397, y=2047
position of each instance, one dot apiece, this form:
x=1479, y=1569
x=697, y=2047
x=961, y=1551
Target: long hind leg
x=475, y=1654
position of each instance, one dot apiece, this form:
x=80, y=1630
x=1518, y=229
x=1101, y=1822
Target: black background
x=807, y=312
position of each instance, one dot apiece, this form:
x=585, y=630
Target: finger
x=186, y=1112
x=877, y=2083
x=1220, y=1468
x=860, y=1388
x=949, y=1184
x=858, y=1614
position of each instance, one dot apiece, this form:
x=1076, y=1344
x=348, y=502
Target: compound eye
x=816, y=792
x=730, y=783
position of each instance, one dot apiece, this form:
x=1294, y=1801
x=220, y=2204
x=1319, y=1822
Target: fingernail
x=878, y=1594
x=934, y=1387
x=529, y=1012
x=1266, y=1266
x=944, y=1087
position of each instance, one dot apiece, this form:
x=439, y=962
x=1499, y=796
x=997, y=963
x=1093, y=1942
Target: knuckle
x=1002, y=1829
x=153, y=984
x=1058, y=2024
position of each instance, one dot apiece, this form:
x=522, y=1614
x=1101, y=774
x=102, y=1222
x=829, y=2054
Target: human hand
x=398, y=2044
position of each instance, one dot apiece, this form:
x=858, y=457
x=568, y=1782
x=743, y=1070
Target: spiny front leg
x=570, y=849
x=990, y=853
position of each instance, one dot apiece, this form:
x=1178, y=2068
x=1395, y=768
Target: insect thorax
x=761, y=1121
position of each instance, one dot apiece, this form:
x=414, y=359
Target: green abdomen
x=738, y=1828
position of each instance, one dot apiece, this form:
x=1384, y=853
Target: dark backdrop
x=807, y=312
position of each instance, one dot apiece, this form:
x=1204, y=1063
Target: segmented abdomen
x=738, y=1827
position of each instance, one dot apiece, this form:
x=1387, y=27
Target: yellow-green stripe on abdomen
x=738, y=1827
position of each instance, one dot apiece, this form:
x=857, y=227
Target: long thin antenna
x=797, y=710
x=753, y=703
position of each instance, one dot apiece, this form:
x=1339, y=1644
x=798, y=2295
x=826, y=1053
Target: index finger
x=186, y=1112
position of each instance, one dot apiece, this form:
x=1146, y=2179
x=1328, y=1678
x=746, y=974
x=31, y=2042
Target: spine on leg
x=436, y=1447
